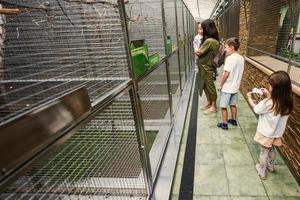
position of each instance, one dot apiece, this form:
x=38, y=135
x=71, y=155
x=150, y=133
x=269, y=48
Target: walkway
x=225, y=162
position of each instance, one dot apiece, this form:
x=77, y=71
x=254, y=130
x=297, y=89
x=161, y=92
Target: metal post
x=167, y=62
x=187, y=41
x=136, y=105
x=178, y=52
x=184, y=53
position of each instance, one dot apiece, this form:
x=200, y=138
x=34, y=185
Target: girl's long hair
x=281, y=94
x=209, y=30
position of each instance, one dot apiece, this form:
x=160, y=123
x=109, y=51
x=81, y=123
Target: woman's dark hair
x=281, y=94
x=209, y=30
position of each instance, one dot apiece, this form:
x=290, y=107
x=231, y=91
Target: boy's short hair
x=233, y=42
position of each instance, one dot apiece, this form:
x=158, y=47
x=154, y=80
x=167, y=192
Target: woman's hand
x=197, y=52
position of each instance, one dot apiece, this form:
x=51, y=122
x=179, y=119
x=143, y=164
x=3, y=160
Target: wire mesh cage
x=229, y=20
x=92, y=163
x=274, y=42
x=274, y=35
x=174, y=80
x=145, y=22
x=55, y=46
x=170, y=18
x=155, y=105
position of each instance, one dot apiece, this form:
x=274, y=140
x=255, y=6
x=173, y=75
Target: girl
x=197, y=43
x=273, y=113
x=206, y=54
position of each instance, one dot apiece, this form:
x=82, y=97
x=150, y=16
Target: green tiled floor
x=225, y=162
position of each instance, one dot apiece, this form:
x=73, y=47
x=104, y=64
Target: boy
x=230, y=83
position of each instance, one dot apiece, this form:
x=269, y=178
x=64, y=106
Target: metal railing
x=52, y=48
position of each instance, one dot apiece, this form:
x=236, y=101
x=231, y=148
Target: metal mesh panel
x=54, y=46
x=274, y=35
x=175, y=80
x=91, y=164
x=155, y=105
x=153, y=92
x=185, y=24
x=145, y=22
x=169, y=8
x=229, y=20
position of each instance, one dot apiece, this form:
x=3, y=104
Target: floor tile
x=245, y=112
x=247, y=122
x=243, y=181
x=208, y=136
x=210, y=180
x=249, y=134
x=209, y=154
x=281, y=183
x=232, y=136
x=248, y=198
x=198, y=197
x=206, y=123
x=237, y=154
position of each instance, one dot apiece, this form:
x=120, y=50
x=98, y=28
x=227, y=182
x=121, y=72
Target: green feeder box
x=169, y=45
x=140, y=60
x=154, y=59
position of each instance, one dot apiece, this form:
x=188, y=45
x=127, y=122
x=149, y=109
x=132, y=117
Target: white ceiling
x=200, y=9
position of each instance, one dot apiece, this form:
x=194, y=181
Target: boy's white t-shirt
x=234, y=64
x=269, y=125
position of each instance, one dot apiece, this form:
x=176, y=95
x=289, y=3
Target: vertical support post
x=167, y=61
x=178, y=52
x=184, y=53
x=136, y=105
x=187, y=41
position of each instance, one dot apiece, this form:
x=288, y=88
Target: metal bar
x=167, y=63
x=178, y=52
x=187, y=40
x=134, y=97
x=184, y=53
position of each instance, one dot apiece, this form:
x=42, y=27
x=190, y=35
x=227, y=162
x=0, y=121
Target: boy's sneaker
x=223, y=126
x=232, y=122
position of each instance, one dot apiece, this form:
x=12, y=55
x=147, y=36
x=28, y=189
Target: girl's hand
x=249, y=95
x=266, y=92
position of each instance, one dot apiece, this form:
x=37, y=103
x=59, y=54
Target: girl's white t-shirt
x=269, y=124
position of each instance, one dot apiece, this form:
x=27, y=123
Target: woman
x=207, y=52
